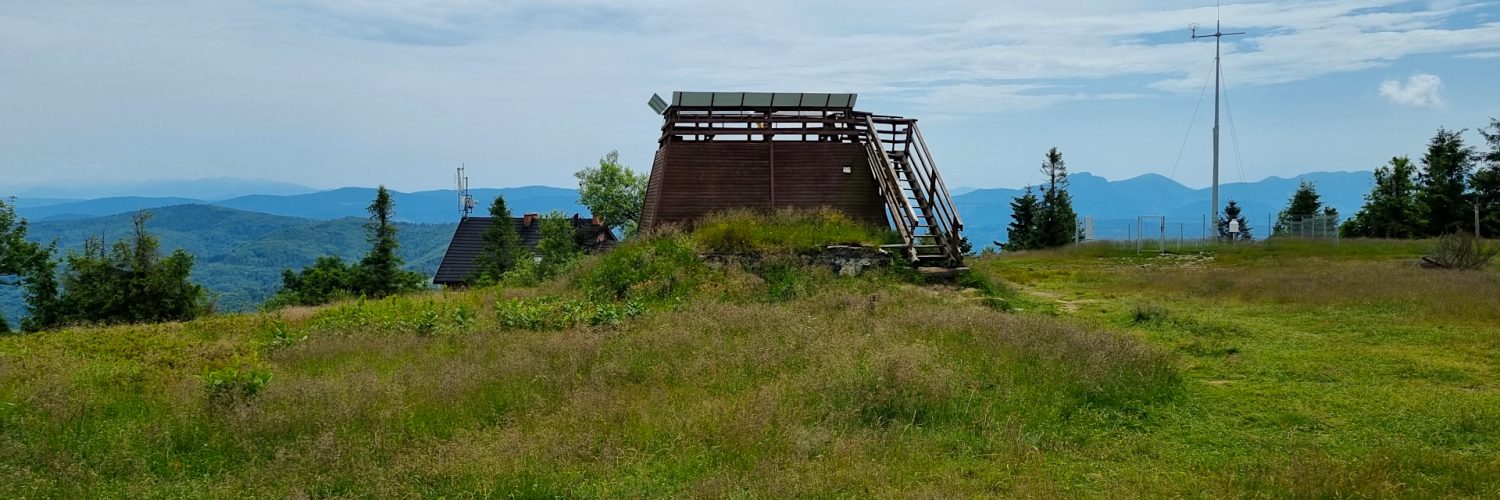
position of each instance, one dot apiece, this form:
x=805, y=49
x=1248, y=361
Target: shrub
x=658, y=268
x=551, y=313
x=282, y=335
x=1461, y=251
x=236, y=383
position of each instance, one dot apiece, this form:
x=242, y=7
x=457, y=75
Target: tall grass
x=782, y=231
x=842, y=385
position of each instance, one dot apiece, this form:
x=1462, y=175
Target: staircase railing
x=904, y=165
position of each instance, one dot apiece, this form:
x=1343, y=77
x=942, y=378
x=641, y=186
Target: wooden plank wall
x=690, y=179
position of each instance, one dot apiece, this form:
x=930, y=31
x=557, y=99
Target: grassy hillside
x=1292, y=370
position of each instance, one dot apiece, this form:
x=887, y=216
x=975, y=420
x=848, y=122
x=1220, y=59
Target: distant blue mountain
x=93, y=208
x=218, y=188
x=425, y=207
x=1114, y=205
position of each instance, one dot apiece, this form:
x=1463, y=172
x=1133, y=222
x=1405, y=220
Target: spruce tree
x=1445, y=172
x=1021, y=234
x=1390, y=209
x=1485, y=183
x=1057, y=224
x=380, y=272
x=1232, y=212
x=130, y=282
x=502, y=244
x=1305, y=214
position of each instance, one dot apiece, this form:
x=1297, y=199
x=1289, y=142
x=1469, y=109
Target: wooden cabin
x=459, y=262
x=765, y=150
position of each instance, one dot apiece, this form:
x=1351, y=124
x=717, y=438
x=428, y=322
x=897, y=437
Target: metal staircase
x=916, y=198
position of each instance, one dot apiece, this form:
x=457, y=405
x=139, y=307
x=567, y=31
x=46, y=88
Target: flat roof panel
x=697, y=99
x=814, y=100
x=729, y=98
x=758, y=99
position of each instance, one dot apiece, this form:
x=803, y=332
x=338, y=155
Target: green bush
x=552, y=313
x=236, y=383
x=659, y=268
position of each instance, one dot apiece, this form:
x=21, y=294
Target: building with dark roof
x=459, y=262
x=770, y=150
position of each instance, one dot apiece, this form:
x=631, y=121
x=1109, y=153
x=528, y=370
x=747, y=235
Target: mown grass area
x=645, y=372
x=1311, y=369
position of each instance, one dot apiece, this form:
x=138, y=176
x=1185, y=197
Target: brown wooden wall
x=690, y=179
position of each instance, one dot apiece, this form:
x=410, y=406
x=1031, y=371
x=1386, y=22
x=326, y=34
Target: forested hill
x=240, y=254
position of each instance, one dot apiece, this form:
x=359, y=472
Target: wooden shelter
x=461, y=260
x=763, y=150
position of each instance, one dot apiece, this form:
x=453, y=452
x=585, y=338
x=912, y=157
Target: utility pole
x=1217, y=35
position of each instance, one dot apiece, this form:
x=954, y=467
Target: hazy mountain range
x=243, y=241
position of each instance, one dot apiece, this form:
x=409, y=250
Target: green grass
x=1313, y=372
x=783, y=231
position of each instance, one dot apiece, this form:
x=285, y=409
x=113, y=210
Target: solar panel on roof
x=779, y=100
x=758, y=99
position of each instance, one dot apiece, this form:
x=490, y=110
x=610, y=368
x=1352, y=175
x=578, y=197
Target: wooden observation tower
x=763, y=150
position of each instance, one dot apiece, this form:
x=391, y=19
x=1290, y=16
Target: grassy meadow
x=1285, y=369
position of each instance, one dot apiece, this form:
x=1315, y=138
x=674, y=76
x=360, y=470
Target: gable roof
x=459, y=262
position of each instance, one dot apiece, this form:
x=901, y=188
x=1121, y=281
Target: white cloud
x=1420, y=90
x=1480, y=55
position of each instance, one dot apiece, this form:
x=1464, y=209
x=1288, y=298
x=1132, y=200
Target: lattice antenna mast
x=465, y=202
x=1218, y=36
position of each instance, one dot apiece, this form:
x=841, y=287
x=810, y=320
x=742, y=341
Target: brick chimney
x=528, y=219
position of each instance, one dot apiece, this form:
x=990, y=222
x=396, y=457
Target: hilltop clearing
x=1299, y=371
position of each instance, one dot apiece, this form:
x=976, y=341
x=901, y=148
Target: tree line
x=1455, y=189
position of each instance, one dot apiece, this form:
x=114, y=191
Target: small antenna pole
x=1217, y=35
x=465, y=202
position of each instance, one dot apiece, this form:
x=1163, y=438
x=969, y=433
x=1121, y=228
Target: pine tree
x=1445, y=171
x=380, y=272
x=1485, y=183
x=1305, y=214
x=1057, y=224
x=502, y=244
x=1021, y=234
x=1232, y=212
x=1390, y=209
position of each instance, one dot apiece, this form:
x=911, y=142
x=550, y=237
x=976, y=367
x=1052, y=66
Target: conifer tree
x=1485, y=184
x=380, y=272
x=1021, y=233
x=1390, y=209
x=130, y=282
x=1305, y=214
x=1445, y=172
x=502, y=244
x=1057, y=224
x=1232, y=213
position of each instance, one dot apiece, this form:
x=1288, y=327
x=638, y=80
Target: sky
x=330, y=93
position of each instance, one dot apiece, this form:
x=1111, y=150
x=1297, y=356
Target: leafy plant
x=236, y=383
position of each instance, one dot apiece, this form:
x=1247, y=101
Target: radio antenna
x=1217, y=35
x=465, y=202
